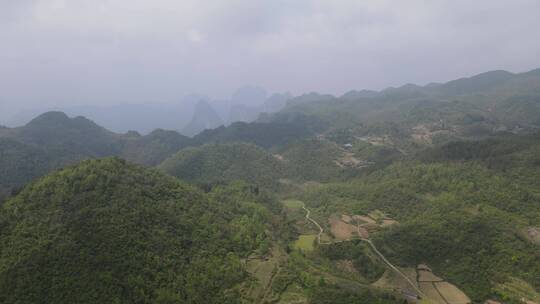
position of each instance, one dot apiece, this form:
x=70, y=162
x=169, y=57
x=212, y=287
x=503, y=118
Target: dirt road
x=373, y=247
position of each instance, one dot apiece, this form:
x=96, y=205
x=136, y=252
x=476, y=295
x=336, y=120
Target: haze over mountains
x=269, y=152
x=190, y=115
x=318, y=202
x=400, y=119
x=195, y=113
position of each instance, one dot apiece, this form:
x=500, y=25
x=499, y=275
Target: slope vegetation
x=462, y=211
x=109, y=231
x=225, y=162
x=53, y=140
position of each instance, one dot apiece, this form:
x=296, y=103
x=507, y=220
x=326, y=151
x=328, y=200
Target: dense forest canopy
x=106, y=230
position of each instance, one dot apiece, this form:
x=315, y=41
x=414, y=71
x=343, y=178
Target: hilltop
x=107, y=230
x=224, y=163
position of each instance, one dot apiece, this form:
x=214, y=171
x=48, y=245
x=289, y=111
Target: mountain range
x=190, y=115
x=417, y=193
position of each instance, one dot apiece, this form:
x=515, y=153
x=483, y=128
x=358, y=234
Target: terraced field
x=418, y=283
x=433, y=288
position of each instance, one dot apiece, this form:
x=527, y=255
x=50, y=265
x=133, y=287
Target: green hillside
x=106, y=231
x=153, y=148
x=263, y=134
x=70, y=139
x=20, y=163
x=53, y=140
x=462, y=211
x=417, y=191
x=410, y=115
x=313, y=159
x=225, y=163
x=299, y=161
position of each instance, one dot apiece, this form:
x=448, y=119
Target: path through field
x=394, y=268
x=377, y=252
x=321, y=230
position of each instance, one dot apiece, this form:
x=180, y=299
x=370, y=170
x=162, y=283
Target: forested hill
x=372, y=185
x=465, y=108
x=71, y=139
x=109, y=231
x=53, y=140
x=224, y=163
x=378, y=125
x=299, y=161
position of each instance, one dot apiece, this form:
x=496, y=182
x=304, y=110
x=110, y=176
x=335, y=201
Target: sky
x=102, y=52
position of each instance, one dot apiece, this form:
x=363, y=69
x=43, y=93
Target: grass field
x=305, y=242
x=292, y=204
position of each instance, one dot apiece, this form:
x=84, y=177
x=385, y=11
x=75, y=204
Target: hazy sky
x=57, y=52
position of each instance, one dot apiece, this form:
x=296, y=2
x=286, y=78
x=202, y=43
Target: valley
x=413, y=194
x=269, y=152
x=422, y=286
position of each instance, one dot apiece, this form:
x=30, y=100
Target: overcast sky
x=58, y=52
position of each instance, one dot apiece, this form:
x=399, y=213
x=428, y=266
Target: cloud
x=114, y=51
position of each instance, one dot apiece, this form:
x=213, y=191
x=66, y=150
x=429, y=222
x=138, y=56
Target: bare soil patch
x=340, y=229
x=533, y=235
x=425, y=274
x=363, y=232
x=431, y=292
x=346, y=218
x=451, y=293
x=388, y=222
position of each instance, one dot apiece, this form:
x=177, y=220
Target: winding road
x=375, y=250
x=321, y=230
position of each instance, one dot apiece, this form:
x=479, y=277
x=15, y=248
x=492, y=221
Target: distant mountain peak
x=50, y=117
x=477, y=83
x=204, y=117
x=57, y=119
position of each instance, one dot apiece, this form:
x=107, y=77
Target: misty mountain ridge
x=434, y=159
x=245, y=104
x=245, y=113
x=205, y=117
